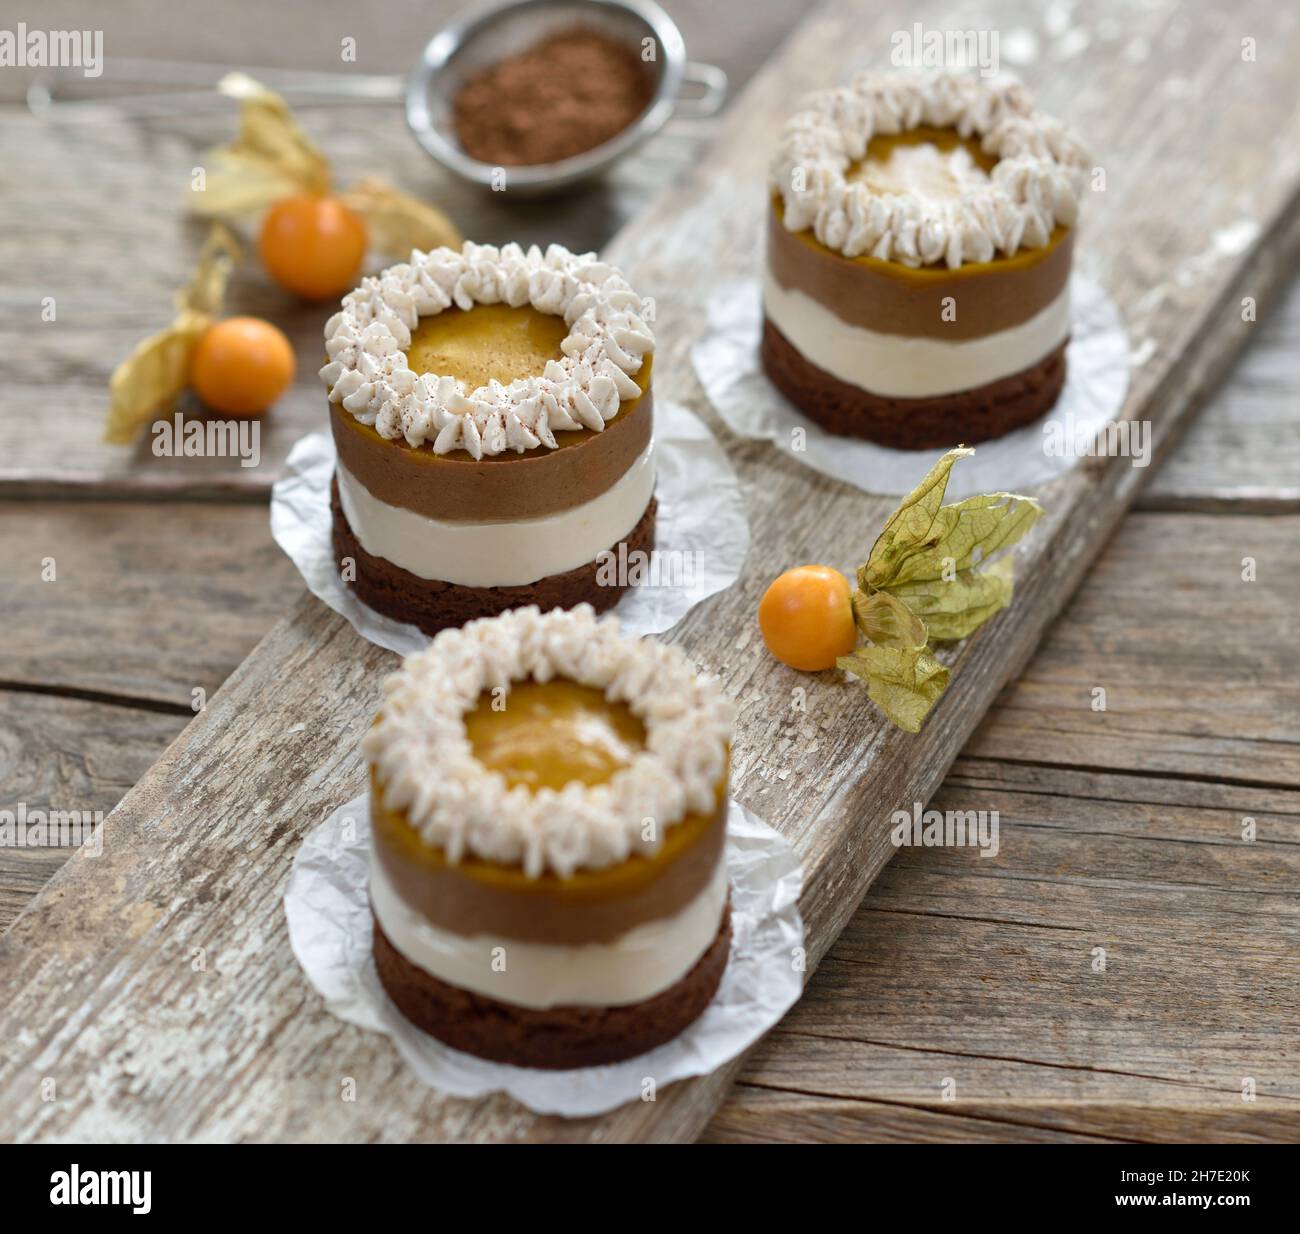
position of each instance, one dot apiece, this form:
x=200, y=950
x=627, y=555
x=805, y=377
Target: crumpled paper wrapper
x=328, y=910
x=727, y=364
x=700, y=511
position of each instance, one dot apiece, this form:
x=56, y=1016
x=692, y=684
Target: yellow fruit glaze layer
x=490, y=342
x=548, y=734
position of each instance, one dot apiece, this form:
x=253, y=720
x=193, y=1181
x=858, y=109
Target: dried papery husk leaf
x=962, y=536
x=886, y=620
x=950, y=610
x=926, y=579
x=397, y=222
x=911, y=526
x=157, y=370
x=904, y=682
x=271, y=158
x=206, y=290
x=931, y=556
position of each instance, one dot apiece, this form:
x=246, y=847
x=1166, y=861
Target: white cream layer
x=638, y=965
x=496, y=554
x=904, y=366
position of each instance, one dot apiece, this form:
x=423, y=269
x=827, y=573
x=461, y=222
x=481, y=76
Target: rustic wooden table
x=964, y=999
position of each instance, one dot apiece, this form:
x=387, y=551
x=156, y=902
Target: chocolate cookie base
x=961, y=418
x=433, y=605
x=554, y=1038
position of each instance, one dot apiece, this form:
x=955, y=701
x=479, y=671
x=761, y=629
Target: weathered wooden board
x=141, y=1045
x=114, y=628
x=55, y=449
x=180, y=593
x=1083, y=850
x=1198, y=666
x=1242, y=452
x=56, y=179
x=981, y=970
x=46, y=212
x=66, y=754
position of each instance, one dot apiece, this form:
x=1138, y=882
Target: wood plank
x=762, y=1116
x=1098, y=633
x=176, y=595
x=1242, y=452
x=756, y=1115
x=45, y=212
x=980, y=969
x=276, y=748
x=1197, y=665
x=981, y=972
x=99, y=670
x=66, y=754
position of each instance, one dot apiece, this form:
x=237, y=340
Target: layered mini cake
x=919, y=248
x=548, y=810
x=492, y=414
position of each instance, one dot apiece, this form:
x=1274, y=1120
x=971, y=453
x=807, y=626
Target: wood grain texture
x=757, y=1115
x=242, y=1049
x=1241, y=454
x=49, y=211
x=980, y=971
x=146, y=606
x=180, y=593
x=1244, y=452
x=1120, y=829
x=1198, y=666
x=66, y=754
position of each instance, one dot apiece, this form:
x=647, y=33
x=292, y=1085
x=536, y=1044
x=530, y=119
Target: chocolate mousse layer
x=893, y=299
x=552, y=1037
x=433, y=605
x=503, y=487
x=945, y=420
x=474, y=898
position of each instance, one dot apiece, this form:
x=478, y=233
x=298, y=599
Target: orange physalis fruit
x=806, y=616
x=313, y=246
x=241, y=366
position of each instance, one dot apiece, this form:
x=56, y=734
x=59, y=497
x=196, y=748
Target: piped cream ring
x=426, y=768
x=1035, y=185
x=370, y=377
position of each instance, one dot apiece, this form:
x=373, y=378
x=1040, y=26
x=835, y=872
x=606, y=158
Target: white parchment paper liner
x=328, y=909
x=727, y=364
x=700, y=511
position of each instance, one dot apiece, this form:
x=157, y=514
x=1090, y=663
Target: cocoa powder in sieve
x=567, y=94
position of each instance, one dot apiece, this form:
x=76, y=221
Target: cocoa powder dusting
x=563, y=96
